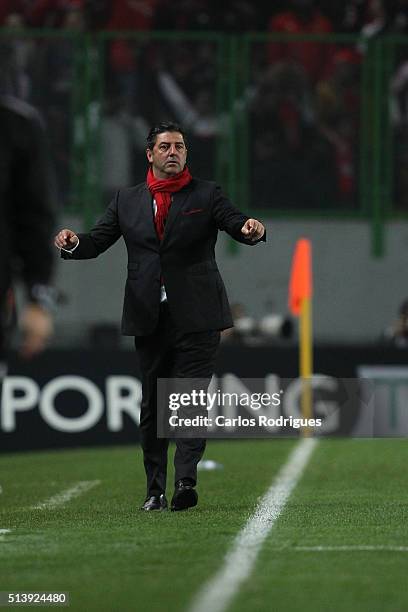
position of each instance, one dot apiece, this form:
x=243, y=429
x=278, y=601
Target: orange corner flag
x=300, y=286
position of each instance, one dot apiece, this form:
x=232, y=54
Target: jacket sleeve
x=33, y=200
x=229, y=219
x=102, y=236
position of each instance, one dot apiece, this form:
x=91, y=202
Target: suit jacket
x=185, y=257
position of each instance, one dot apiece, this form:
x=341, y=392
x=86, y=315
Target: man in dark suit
x=175, y=301
x=27, y=194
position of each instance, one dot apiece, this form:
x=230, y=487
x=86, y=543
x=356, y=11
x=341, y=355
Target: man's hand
x=36, y=325
x=253, y=229
x=66, y=239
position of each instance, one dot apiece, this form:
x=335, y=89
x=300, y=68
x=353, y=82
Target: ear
x=149, y=155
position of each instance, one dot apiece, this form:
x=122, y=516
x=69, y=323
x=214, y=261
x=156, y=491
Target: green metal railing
x=377, y=162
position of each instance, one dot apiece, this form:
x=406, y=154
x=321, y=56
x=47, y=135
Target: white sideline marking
x=65, y=496
x=350, y=548
x=1, y=489
x=219, y=591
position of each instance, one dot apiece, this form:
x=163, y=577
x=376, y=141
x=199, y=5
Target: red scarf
x=161, y=190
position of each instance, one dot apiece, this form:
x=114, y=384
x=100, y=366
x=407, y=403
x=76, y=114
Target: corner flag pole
x=300, y=304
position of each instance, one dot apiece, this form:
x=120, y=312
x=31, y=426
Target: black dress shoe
x=155, y=502
x=185, y=496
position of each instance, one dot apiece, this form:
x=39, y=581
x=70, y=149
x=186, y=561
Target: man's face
x=168, y=156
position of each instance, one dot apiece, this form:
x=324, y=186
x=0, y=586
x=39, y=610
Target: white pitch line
x=65, y=496
x=218, y=592
x=350, y=548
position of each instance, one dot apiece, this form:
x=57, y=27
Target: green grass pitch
x=111, y=557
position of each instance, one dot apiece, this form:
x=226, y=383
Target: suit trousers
x=171, y=353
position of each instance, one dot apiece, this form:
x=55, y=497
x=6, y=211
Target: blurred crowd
x=303, y=99
x=396, y=334
x=342, y=16
x=272, y=327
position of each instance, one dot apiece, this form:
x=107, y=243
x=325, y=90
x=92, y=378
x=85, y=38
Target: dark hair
x=164, y=126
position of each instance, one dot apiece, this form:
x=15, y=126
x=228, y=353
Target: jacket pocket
x=192, y=211
x=202, y=268
x=133, y=269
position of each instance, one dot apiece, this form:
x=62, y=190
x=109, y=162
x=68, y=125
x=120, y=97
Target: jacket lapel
x=148, y=214
x=179, y=199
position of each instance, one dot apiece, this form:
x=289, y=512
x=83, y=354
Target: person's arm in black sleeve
x=228, y=218
x=102, y=236
x=31, y=218
x=33, y=209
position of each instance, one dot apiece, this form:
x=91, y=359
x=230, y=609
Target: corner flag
x=300, y=304
x=300, y=286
